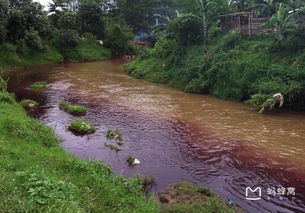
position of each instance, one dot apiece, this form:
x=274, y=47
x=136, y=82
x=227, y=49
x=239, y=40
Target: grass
x=82, y=127
x=11, y=55
x=72, y=109
x=37, y=175
x=120, y=143
x=113, y=134
x=87, y=50
x=113, y=147
x=130, y=159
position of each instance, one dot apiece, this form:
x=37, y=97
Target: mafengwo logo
x=253, y=193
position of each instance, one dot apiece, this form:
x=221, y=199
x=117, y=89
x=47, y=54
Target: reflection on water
x=223, y=145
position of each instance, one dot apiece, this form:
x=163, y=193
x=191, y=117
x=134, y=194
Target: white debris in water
x=136, y=162
x=280, y=98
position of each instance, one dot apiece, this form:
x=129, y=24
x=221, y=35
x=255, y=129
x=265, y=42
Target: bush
x=23, y=48
x=81, y=127
x=3, y=84
x=67, y=39
x=6, y=97
x=258, y=100
x=89, y=36
x=165, y=47
x=117, y=37
x=187, y=30
x=228, y=41
x=196, y=86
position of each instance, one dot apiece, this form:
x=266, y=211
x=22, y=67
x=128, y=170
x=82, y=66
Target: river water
x=222, y=145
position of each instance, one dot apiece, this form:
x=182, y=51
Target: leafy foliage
x=43, y=191
x=117, y=37
x=33, y=39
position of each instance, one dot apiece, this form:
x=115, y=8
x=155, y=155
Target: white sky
x=43, y=2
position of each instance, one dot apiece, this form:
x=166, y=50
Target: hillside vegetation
x=194, y=55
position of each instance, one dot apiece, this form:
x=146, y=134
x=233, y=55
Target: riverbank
x=38, y=175
x=12, y=56
x=233, y=67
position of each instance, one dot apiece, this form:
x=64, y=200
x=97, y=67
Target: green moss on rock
x=29, y=104
x=38, y=85
x=72, y=109
x=82, y=127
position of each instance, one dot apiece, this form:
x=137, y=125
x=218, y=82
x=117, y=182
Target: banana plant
x=207, y=12
x=285, y=21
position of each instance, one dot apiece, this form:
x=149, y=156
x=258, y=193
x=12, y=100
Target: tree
x=25, y=14
x=3, y=19
x=91, y=18
x=284, y=22
x=207, y=12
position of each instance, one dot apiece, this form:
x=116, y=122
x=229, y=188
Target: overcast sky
x=43, y=2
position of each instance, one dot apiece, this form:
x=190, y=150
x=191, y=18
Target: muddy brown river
x=222, y=145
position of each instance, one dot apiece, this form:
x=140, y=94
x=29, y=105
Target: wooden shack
x=245, y=22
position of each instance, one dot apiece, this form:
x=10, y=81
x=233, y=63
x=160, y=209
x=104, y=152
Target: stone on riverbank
x=186, y=197
x=29, y=104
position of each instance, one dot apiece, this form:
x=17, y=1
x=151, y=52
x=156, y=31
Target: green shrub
x=3, y=84
x=228, y=41
x=258, y=100
x=9, y=47
x=82, y=127
x=39, y=85
x=186, y=29
x=196, y=86
x=67, y=39
x=23, y=48
x=164, y=47
x=6, y=97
